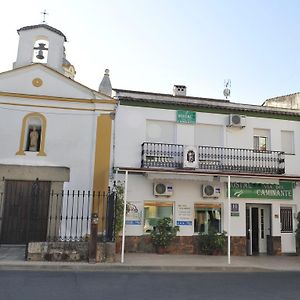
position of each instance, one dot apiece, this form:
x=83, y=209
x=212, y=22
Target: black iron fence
x=160, y=155
x=68, y=217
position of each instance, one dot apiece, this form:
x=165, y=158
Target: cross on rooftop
x=44, y=13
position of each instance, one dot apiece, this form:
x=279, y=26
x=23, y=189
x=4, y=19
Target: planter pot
x=161, y=250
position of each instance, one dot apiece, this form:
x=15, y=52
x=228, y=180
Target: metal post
x=93, y=238
x=124, y=217
x=229, y=217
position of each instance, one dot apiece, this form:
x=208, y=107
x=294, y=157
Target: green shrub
x=211, y=242
x=119, y=188
x=164, y=233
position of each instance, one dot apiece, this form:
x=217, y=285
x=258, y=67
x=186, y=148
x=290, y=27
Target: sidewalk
x=162, y=263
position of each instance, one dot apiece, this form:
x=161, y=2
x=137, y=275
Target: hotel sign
x=185, y=116
x=283, y=190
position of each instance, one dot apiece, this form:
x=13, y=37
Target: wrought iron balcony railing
x=170, y=156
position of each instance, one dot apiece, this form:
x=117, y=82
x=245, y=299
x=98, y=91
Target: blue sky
x=150, y=45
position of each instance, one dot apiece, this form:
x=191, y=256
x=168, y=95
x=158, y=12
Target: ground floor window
x=154, y=211
x=286, y=219
x=207, y=218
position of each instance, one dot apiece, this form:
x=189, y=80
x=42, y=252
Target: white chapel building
x=55, y=132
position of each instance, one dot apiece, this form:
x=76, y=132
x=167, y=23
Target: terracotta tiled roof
x=43, y=26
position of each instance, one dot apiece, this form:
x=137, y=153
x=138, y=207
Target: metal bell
x=40, y=55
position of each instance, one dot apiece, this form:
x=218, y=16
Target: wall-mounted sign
x=235, y=210
x=185, y=116
x=283, y=190
x=184, y=215
x=133, y=214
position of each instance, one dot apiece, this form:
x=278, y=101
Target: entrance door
x=254, y=230
x=25, y=213
x=257, y=228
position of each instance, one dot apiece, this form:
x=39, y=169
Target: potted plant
x=163, y=234
x=211, y=243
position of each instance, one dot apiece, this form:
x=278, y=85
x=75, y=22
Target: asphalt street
x=148, y=285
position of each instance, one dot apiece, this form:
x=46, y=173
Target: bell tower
x=41, y=44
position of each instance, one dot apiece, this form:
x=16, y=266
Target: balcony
x=217, y=159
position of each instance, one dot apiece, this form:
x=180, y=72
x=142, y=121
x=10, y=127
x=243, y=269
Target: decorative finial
x=105, y=85
x=44, y=13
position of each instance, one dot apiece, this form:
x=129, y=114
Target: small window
x=260, y=143
x=286, y=219
x=261, y=139
x=154, y=211
x=207, y=218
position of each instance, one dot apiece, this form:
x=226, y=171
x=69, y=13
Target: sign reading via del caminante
x=283, y=190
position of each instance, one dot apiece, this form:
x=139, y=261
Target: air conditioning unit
x=237, y=121
x=211, y=191
x=163, y=189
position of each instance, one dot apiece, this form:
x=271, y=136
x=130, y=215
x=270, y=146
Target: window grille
x=286, y=219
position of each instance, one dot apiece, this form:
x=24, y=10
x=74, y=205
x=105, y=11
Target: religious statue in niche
x=33, y=143
x=191, y=156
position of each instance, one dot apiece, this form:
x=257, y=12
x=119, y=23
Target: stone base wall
x=238, y=245
x=69, y=251
x=276, y=245
x=181, y=245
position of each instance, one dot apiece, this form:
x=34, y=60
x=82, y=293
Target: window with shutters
x=160, y=132
x=287, y=142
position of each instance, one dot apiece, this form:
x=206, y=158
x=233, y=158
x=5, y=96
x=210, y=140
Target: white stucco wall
x=131, y=133
x=140, y=189
x=54, y=84
x=188, y=192
x=69, y=142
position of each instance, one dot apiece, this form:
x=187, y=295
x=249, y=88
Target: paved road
x=25, y=285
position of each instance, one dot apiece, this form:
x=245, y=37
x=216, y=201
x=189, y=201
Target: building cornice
x=55, y=98
x=209, y=173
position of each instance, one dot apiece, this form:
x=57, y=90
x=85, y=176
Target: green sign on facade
x=283, y=190
x=185, y=116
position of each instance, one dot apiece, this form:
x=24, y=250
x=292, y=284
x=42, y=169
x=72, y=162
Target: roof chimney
x=179, y=90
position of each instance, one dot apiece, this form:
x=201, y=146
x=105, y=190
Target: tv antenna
x=227, y=85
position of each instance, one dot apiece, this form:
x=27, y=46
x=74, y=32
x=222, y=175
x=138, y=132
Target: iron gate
x=24, y=211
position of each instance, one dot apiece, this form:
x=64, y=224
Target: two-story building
x=179, y=153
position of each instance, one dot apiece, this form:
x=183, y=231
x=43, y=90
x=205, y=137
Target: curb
x=130, y=268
